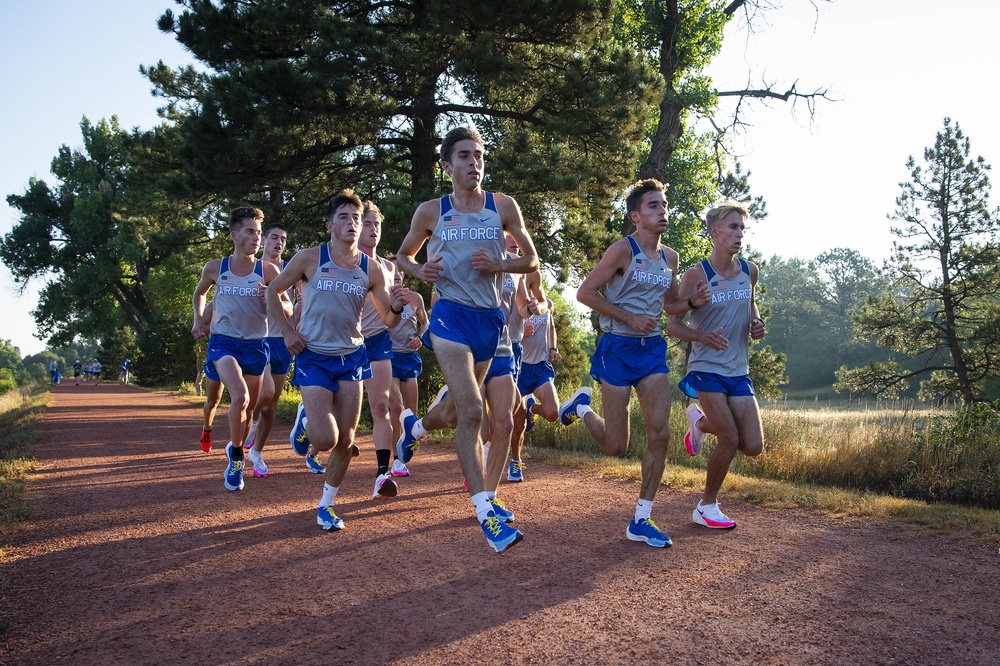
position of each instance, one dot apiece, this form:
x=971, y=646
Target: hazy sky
x=898, y=68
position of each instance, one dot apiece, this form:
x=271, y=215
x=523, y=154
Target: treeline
x=291, y=102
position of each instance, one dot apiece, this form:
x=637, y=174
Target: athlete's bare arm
x=301, y=267
x=421, y=227
x=614, y=263
x=209, y=276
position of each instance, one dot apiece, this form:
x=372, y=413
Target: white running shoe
x=711, y=516
x=259, y=467
x=694, y=438
x=252, y=435
x=442, y=392
x=385, y=487
x=399, y=469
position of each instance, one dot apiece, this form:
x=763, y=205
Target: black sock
x=383, y=455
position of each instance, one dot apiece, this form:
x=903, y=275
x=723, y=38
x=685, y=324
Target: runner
x=466, y=263
x=630, y=288
x=237, y=354
x=337, y=277
x=719, y=364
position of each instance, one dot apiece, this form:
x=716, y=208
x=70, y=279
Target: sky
x=897, y=68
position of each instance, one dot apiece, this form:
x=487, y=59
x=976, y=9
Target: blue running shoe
x=298, y=436
x=501, y=511
x=515, y=473
x=567, y=410
x=314, y=465
x=328, y=520
x=646, y=530
x=234, y=471
x=500, y=535
x=529, y=417
x=407, y=444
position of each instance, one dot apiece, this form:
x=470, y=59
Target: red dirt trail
x=136, y=554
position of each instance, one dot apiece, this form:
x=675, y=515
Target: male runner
x=466, y=263
x=237, y=354
x=630, y=288
x=337, y=277
x=719, y=363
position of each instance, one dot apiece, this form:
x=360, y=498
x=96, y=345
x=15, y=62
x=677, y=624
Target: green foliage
x=812, y=306
x=942, y=309
x=21, y=412
x=298, y=100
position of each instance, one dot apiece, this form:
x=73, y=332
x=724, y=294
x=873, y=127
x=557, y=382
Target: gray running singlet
x=272, y=326
x=454, y=239
x=333, y=298
x=371, y=320
x=404, y=331
x=640, y=290
x=729, y=310
x=238, y=311
x=536, y=346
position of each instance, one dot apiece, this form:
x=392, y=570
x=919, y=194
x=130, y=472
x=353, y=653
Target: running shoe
x=529, y=417
x=694, y=438
x=250, y=437
x=500, y=535
x=515, y=471
x=399, y=469
x=407, y=444
x=441, y=394
x=314, y=465
x=206, y=441
x=711, y=516
x=501, y=511
x=234, y=470
x=567, y=410
x=257, y=459
x=385, y=487
x=647, y=531
x=298, y=436
x=328, y=520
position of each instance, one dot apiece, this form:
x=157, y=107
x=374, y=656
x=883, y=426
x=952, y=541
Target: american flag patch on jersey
x=452, y=219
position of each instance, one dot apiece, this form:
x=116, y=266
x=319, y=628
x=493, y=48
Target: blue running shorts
x=406, y=365
x=709, y=382
x=312, y=369
x=534, y=375
x=377, y=348
x=478, y=329
x=251, y=355
x=621, y=360
x=499, y=367
x=281, y=358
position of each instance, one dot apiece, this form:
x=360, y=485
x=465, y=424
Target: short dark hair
x=343, y=197
x=242, y=213
x=456, y=135
x=637, y=191
x=271, y=227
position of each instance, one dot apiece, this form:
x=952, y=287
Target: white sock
x=418, y=430
x=491, y=495
x=329, y=493
x=581, y=410
x=643, y=509
x=482, y=506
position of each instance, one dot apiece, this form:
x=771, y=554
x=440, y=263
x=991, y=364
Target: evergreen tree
x=942, y=310
x=300, y=99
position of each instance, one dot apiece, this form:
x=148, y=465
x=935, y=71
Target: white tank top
x=238, y=311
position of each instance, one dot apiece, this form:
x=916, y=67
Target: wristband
x=551, y=349
x=395, y=311
x=692, y=305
